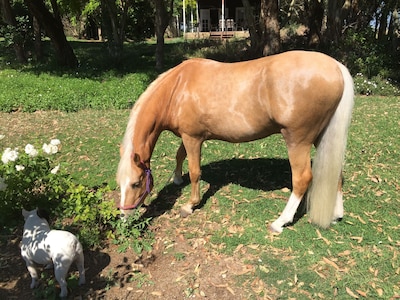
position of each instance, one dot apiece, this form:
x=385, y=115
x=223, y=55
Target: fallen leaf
x=264, y=269
x=322, y=238
x=331, y=263
x=351, y=293
x=285, y=190
x=253, y=246
x=235, y=229
x=344, y=253
x=320, y=274
x=364, y=294
x=359, y=239
x=240, y=246
x=230, y=290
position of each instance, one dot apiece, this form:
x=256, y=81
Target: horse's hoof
x=339, y=219
x=178, y=180
x=273, y=228
x=186, y=211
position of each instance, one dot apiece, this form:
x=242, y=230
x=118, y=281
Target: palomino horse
x=305, y=96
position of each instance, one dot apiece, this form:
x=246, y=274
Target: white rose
x=19, y=167
x=30, y=150
x=9, y=155
x=55, y=142
x=55, y=169
x=49, y=148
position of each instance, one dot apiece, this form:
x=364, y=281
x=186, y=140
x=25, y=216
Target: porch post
x=223, y=15
x=198, y=16
x=184, y=18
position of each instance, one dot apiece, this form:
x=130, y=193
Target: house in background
x=222, y=15
x=225, y=18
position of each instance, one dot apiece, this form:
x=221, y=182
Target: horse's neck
x=147, y=130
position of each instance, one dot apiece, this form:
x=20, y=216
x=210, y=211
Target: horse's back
x=252, y=99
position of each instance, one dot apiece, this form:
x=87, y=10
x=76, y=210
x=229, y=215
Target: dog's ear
x=43, y=214
x=25, y=213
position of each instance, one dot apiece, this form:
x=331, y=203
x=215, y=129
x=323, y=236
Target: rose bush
x=30, y=178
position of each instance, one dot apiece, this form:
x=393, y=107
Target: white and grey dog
x=43, y=246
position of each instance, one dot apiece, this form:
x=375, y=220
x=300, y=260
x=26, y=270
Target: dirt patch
x=177, y=268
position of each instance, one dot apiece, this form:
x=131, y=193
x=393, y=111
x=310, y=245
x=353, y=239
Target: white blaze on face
x=124, y=186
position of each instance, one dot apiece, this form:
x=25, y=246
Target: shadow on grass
x=263, y=174
x=13, y=269
x=95, y=61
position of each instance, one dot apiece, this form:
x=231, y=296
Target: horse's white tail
x=329, y=159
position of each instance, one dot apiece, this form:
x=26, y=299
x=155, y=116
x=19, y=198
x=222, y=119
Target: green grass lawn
x=246, y=186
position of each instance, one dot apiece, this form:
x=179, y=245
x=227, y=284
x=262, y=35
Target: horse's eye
x=135, y=185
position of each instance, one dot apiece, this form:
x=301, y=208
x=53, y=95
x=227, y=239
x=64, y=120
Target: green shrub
x=364, y=54
x=29, y=178
x=376, y=85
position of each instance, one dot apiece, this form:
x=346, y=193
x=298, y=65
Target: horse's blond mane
x=124, y=165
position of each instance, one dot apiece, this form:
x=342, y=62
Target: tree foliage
x=329, y=25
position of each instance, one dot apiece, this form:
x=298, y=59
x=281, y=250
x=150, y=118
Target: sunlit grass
x=244, y=186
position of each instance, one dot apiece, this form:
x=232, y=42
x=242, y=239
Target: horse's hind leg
x=193, y=149
x=180, y=157
x=300, y=163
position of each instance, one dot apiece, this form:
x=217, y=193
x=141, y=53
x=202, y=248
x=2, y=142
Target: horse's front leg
x=193, y=149
x=180, y=157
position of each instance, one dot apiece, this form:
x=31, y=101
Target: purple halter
x=149, y=181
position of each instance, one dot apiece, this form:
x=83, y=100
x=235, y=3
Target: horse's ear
x=136, y=159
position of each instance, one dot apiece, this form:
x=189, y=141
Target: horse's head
x=136, y=182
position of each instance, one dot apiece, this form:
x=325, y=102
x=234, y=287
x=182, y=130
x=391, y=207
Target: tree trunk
x=270, y=25
x=115, y=27
x=9, y=18
x=54, y=29
x=162, y=18
x=37, y=39
x=382, y=34
x=315, y=15
x=394, y=31
x=334, y=21
x=254, y=29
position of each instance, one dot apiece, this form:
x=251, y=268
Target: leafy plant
x=29, y=179
x=367, y=56
x=130, y=233
x=376, y=85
